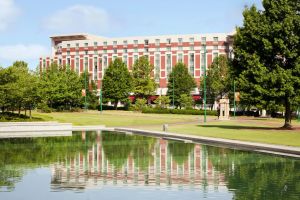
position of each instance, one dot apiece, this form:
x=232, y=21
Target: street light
x=85, y=103
x=173, y=89
x=204, y=100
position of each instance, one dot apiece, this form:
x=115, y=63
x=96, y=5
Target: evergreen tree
x=143, y=84
x=218, y=81
x=117, y=82
x=183, y=83
x=267, y=61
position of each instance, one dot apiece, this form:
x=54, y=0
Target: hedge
x=179, y=111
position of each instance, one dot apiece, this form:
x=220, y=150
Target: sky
x=26, y=25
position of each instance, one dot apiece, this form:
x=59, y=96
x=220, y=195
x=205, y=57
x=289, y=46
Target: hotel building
x=94, y=53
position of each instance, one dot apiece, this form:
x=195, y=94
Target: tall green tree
x=91, y=91
x=218, y=81
x=267, y=61
x=60, y=88
x=143, y=84
x=181, y=82
x=117, y=82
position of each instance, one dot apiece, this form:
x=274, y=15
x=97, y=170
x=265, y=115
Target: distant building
x=94, y=53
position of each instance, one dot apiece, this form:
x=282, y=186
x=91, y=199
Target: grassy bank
x=243, y=128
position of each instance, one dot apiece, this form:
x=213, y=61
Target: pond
x=111, y=165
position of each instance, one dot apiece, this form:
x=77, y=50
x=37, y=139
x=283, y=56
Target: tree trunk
x=287, y=115
x=19, y=111
x=25, y=111
x=116, y=104
x=30, y=113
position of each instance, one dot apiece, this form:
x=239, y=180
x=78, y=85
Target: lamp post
x=298, y=114
x=173, y=89
x=100, y=99
x=234, y=104
x=85, y=103
x=204, y=84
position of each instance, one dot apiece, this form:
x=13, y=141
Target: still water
x=109, y=165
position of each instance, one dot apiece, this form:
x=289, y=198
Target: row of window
x=146, y=50
x=146, y=42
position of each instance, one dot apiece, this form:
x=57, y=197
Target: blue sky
x=25, y=26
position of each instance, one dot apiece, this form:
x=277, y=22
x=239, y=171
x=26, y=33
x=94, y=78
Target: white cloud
x=29, y=53
x=79, y=18
x=8, y=13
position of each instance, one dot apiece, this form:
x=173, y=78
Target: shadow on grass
x=238, y=127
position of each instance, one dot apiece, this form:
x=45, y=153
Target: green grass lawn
x=243, y=128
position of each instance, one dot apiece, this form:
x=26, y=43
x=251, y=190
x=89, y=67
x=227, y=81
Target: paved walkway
x=259, y=147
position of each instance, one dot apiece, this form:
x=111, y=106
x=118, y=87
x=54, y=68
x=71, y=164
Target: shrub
x=140, y=104
x=178, y=111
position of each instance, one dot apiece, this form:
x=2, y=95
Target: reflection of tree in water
x=257, y=176
x=142, y=151
x=116, y=147
x=19, y=154
x=180, y=151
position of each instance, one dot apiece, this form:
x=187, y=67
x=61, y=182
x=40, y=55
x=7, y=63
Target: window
x=68, y=53
x=191, y=40
x=115, y=51
x=95, y=68
x=77, y=53
x=125, y=59
x=169, y=64
x=86, y=52
x=203, y=48
x=68, y=61
x=157, y=49
x=95, y=52
x=146, y=50
x=77, y=45
x=59, y=62
x=215, y=47
x=157, y=67
x=157, y=42
x=136, y=50
x=86, y=44
x=191, y=48
x=146, y=42
x=203, y=63
x=180, y=48
x=180, y=58
x=203, y=40
x=105, y=61
x=168, y=48
x=105, y=44
x=135, y=42
x=168, y=41
x=115, y=43
x=114, y=58
x=135, y=58
x=68, y=45
x=192, y=64
x=125, y=51
x=180, y=41
x=215, y=55
x=95, y=44
x=77, y=65
x=125, y=42
x=105, y=51
x=85, y=64
x=216, y=39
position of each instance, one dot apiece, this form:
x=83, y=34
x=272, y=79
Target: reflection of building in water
x=93, y=169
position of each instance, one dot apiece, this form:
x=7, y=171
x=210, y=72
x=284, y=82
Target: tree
x=117, y=82
x=60, y=87
x=143, y=84
x=91, y=92
x=267, y=61
x=217, y=80
x=186, y=101
x=183, y=83
x=162, y=101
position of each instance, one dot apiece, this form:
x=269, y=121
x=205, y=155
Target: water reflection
x=90, y=160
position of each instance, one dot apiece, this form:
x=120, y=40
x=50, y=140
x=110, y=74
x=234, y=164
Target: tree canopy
x=267, y=61
x=183, y=83
x=117, y=82
x=143, y=84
